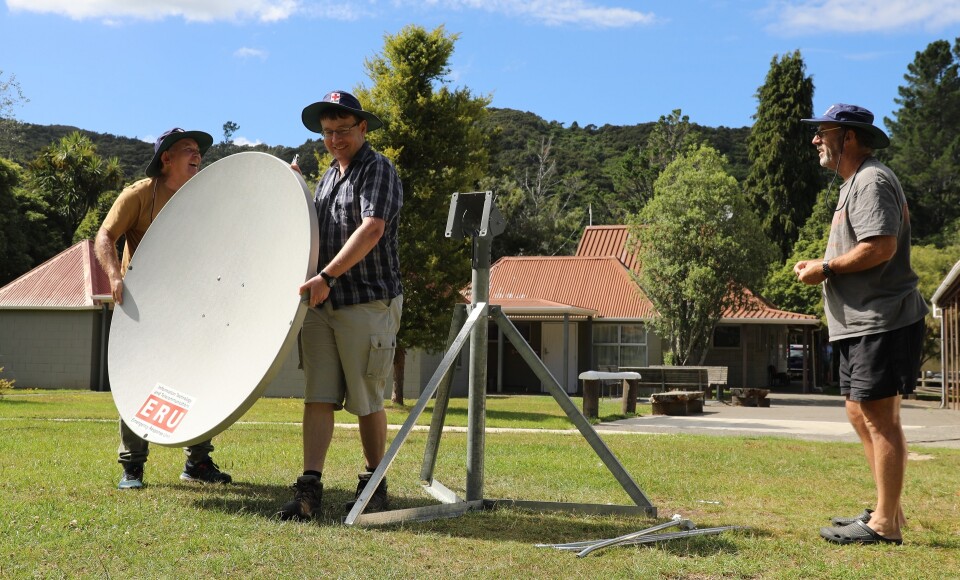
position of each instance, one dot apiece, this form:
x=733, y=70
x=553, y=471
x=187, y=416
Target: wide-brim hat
x=165, y=141
x=852, y=116
x=340, y=100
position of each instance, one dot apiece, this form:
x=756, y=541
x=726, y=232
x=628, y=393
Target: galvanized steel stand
x=474, y=215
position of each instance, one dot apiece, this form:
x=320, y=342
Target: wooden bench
x=677, y=402
x=750, y=397
x=716, y=379
x=657, y=379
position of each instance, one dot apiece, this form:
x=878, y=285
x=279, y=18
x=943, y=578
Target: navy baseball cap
x=852, y=116
x=343, y=101
x=165, y=141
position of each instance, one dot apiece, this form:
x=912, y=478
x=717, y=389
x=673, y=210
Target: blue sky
x=137, y=67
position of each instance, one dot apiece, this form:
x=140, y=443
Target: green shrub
x=5, y=385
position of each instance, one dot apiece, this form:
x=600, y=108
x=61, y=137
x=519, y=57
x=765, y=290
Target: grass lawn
x=62, y=516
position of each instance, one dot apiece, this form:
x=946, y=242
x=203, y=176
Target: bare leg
x=373, y=437
x=860, y=424
x=317, y=434
x=882, y=418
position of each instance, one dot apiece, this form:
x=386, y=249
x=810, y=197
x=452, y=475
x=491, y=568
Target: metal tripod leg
x=587, y=430
x=446, y=363
x=441, y=403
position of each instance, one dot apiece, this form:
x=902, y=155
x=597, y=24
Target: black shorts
x=878, y=366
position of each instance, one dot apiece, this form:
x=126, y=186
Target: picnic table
x=591, y=390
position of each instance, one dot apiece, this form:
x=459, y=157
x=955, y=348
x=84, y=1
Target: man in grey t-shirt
x=874, y=311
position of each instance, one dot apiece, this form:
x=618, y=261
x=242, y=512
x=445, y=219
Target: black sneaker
x=378, y=501
x=308, y=491
x=205, y=471
x=132, y=477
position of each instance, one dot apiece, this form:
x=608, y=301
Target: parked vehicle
x=795, y=361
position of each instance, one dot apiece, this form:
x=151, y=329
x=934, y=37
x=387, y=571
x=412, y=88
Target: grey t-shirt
x=884, y=297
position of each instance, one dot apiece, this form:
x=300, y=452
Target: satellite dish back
x=210, y=306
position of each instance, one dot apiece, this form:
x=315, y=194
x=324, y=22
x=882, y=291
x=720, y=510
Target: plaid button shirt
x=370, y=188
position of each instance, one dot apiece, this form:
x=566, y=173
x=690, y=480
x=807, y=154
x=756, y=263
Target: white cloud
x=246, y=52
x=244, y=142
x=551, y=12
x=816, y=16
x=190, y=10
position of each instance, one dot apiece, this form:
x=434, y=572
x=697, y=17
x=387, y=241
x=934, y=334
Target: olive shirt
x=884, y=297
x=132, y=213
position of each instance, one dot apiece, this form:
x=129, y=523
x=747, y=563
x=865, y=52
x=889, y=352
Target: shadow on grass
x=504, y=524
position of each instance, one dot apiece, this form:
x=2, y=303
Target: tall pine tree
x=925, y=140
x=784, y=177
x=432, y=134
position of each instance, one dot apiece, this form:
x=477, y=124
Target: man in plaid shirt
x=350, y=332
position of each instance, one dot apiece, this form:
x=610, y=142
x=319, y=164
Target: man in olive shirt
x=874, y=311
x=176, y=158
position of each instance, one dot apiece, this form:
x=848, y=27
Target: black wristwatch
x=330, y=280
x=827, y=272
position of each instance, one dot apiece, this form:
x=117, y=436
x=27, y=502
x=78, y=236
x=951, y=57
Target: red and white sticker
x=164, y=410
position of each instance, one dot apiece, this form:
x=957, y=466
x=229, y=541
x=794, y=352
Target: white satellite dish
x=210, y=307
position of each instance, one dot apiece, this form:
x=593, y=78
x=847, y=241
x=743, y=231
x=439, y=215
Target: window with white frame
x=619, y=345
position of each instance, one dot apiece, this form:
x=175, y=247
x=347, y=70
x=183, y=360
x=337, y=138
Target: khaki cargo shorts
x=348, y=354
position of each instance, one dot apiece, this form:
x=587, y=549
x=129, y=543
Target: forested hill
x=590, y=148
x=516, y=136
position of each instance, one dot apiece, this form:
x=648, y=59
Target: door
x=554, y=356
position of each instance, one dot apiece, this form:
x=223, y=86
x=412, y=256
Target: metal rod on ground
x=674, y=536
x=683, y=523
x=674, y=521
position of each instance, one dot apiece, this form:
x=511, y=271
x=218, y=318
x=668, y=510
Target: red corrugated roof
x=599, y=241
x=67, y=281
x=598, y=278
x=600, y=284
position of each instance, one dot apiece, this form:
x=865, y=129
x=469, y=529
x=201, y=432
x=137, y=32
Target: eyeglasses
x=819, y=133
x=342, y=132
x=191, y=151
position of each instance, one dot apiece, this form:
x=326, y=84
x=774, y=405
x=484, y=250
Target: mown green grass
x=61, y=516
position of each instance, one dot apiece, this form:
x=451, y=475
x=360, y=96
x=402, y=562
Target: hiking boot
x=308, y=491
x=205, y=471
x=378, y=501
x=132, y=477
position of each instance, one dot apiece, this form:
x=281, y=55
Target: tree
x=925, y=138
x=784, y=177
x=635, y=172
x=229, y=128
x=11, y=96
x=932, y=264
x=14, y=245
x=88, y=228
x=542, y=213
x=782, y=287
x=432, y=134
x=700, y=248
x=70, y=176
